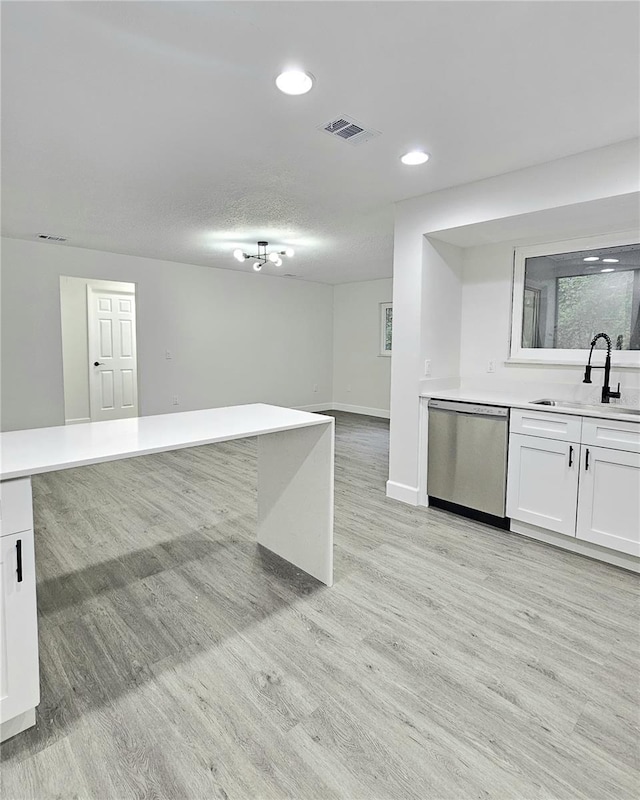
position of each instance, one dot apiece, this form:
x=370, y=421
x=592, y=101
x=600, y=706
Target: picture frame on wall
x=386, y=328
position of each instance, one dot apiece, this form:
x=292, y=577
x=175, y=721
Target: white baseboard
x=77, y=421
x=369, y=412
x=589, y=549
x=402, y=492
x=316, y=407
x=11, y=727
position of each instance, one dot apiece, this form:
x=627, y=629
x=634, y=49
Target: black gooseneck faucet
x=606, y=391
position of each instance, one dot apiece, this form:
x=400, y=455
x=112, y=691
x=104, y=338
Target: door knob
x=98, y=364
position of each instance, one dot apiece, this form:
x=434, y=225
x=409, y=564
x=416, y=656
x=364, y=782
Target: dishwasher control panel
x=469, y=408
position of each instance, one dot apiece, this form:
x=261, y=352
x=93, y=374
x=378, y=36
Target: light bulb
x=273, y=257
x=294, y=81
x=278, y=262
x=414, y=158
x=257, y=266
x=238, y=254
x=289, y=252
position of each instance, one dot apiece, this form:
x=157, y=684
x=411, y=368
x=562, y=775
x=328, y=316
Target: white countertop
x=30, y=452
x=517, y=400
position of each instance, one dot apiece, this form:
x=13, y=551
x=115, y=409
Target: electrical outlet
x=175, y=400
x=491, y=366
x=168, y=354
x=427, y=367
x=348, y=387
x=315, y=387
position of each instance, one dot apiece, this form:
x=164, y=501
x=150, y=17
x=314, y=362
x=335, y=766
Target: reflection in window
x=583, y=298
x=569, y=297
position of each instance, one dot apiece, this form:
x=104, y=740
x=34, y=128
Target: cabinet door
x=542, y=485
x=19, y=680
x=609, y=499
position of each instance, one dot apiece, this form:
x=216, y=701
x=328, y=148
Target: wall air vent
x=348, y=129
x=50, y=238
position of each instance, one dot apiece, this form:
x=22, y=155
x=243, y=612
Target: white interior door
x=113, y=370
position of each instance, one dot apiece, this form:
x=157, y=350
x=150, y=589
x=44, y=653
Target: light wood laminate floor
x=450, y=660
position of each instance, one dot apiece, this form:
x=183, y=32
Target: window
x=386, y=325
x=566, y=293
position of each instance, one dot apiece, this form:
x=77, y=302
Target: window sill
x=546, y=362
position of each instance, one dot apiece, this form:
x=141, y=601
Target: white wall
x=75, y=342
x=608, y=172
x=441, y=309
x=236, y=337
x=361, y=376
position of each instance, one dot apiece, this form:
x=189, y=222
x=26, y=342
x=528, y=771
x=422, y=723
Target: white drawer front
x=546, y=424
x=616, y=434
x=16, y=508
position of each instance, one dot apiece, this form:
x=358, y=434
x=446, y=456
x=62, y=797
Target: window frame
x=548, y=355
x=383, y=323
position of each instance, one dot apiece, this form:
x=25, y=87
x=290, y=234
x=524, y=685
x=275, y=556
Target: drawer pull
x=570, y=456
x=19, y=560
x=586, y=459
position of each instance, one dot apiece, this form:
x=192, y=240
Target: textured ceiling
x=155, y=128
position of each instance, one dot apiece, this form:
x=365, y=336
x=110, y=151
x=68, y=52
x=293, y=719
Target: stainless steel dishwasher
x=467, y=462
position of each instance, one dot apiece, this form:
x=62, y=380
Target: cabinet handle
x=586, y=459
x=19, y=559
x=570, y=455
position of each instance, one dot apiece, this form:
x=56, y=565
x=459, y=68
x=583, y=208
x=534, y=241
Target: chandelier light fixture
x=262, y=257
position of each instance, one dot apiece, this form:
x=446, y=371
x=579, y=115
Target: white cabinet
x=578, y=477
x=19, y=682
x=19, y=678
x=609, y=499
x=542, y=482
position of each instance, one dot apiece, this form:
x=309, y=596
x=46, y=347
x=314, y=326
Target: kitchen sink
x=601, y=407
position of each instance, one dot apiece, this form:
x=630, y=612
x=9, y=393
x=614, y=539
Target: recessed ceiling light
x=591, y=258
x=414, y=158
x=610, y=260
x=608, y=269
x=294, y=81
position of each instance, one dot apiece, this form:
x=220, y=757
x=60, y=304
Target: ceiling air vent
x=50, y=238
x=348, y=129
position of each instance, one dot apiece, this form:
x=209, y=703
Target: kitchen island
x=295, y=507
